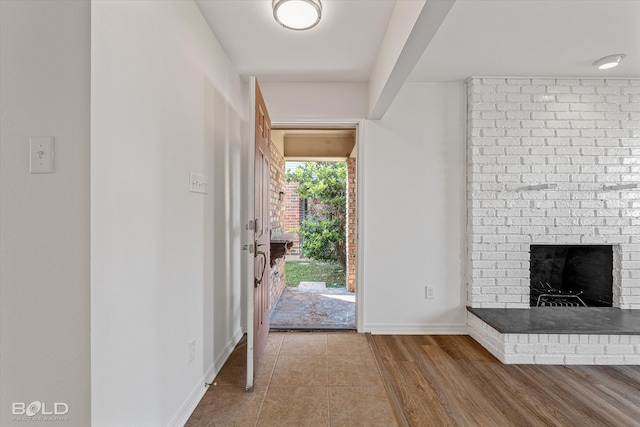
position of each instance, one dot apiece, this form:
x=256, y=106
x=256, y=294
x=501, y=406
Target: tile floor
x=305, y=379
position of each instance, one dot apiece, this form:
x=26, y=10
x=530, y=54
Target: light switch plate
x=198, y=183
x=41, y=154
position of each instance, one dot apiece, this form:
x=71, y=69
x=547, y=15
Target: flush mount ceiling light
x=609, y=61
x=297, y=14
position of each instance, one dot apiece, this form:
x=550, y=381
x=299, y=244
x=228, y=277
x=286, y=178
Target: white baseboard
x=222, y=358
x=190, y=404
x=417, y=329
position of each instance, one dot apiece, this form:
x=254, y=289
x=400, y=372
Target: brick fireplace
x=546, y=161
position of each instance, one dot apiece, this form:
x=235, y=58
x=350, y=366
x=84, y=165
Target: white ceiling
x=342, y=47
x=478, y=37
x=532, y=38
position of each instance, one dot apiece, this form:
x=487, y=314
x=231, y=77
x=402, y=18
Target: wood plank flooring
x=450, y=380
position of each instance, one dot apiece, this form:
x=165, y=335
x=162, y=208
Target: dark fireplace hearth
x=571, y=276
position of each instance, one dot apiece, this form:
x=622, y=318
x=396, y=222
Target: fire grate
x=545, y=295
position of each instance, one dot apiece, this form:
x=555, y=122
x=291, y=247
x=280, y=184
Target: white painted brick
x=530, y=348
x=600, y=129
x=582, y=89
x=570, y=82
x=592, y=99
x=547, y=151
x=581, y=107
x=492, y=97
x=548, y=359
x=561, y=133
x=592, y=82
x=518, y=97
x=590, y=349
x=612, y=107
x=632, y=359
x=619, y=349
x=635, y=107
x=579, y=360
x=492, y=132
x=508, y=88
x=608, y=90
x=609, y=360
x=518, y=133
x=508, y=124
x=532, y=106
x=507, y=106
x=492, y=81
x=568, y=98
x=534, y=89
x=558, y=106
x=543, y=81
x=491, y=115
x=560, y=348
x=519, y=81
x=511, y=338
x=558, y=89
x=558, y=124
x=518, y=359
x=542, y=132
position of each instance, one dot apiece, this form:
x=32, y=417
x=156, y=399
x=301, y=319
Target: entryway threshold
x=311, y=309
x=311, y=329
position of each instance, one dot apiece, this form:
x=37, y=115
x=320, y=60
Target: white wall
x=166, y=263
x=411, y=192
x=412, y=183
x=315, y=102
x=44, y=219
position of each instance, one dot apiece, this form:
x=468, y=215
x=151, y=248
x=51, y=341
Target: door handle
x=257, y=281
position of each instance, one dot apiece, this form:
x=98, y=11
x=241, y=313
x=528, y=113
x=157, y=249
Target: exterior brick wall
x=292, y=215
x=277, y=279
x=351, y=224
x=577, y=134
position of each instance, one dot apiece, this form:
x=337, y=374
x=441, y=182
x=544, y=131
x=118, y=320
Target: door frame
x=358, y=124
x=249, y=236
x=360, y=214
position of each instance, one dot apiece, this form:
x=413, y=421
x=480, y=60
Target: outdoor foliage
x=324, y=186
x=315, y=271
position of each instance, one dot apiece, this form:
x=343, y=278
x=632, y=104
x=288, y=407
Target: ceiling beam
x=411, y=28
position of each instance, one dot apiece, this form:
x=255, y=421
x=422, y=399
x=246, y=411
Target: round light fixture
x=609, y=61
x=297, y=14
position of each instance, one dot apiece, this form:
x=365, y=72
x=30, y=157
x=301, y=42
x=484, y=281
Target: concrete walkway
x=314, y=308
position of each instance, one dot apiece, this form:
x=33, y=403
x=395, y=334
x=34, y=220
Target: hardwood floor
x=447, y=380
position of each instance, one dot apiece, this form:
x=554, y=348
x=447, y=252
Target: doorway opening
x=313, y=204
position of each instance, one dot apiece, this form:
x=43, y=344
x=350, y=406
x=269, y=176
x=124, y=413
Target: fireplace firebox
x=571, y=276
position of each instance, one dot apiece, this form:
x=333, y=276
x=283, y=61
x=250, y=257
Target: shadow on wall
x=222, y=263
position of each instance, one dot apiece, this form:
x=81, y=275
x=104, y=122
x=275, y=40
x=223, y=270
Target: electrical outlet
x=429, y=292
x=191, y=347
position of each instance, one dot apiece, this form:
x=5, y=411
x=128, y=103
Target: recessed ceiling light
x=297, y=14
x=609, y=61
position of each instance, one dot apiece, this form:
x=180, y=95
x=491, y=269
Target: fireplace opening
x=571, y=276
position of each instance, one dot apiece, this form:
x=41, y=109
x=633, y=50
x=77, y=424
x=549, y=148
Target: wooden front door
x=262, y=174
